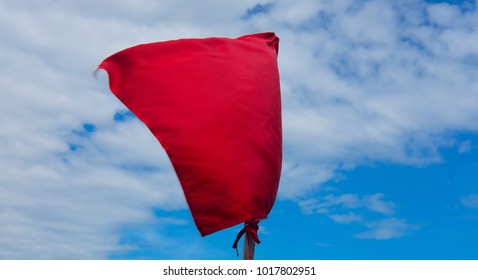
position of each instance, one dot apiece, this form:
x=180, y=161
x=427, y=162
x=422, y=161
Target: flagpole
x=248, y=249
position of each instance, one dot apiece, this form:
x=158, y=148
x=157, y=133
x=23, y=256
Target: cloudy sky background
x=380, y=120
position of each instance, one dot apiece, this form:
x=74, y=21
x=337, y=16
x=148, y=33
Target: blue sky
x=380, y=122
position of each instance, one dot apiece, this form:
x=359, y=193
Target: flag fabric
x=214, y=105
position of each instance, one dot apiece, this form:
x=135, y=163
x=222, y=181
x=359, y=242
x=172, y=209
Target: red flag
x=214, y=105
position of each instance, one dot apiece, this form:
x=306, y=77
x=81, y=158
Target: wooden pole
x=248, y=249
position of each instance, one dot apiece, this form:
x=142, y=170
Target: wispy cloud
x=377, y=81
x=321, y=244
x=331, y=203
x=352, y=208
x=386, y=229
x=376, y=203
x=470, y=201
x=346, y=218
x=465, y=147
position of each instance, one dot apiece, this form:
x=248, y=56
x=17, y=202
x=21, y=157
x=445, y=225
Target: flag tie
x=250, y=228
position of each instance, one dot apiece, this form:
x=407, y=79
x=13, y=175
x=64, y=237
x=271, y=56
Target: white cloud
x=67, y=193
x=331, y=203
x=444, y=14
x=387, y=229
x=465, y=147
x=346, y=218
x=350, y=208
x=71, y=205
x=362, y=81
x=375, y=203
x=470, y=201
x=322, y=244
x=377, y=86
